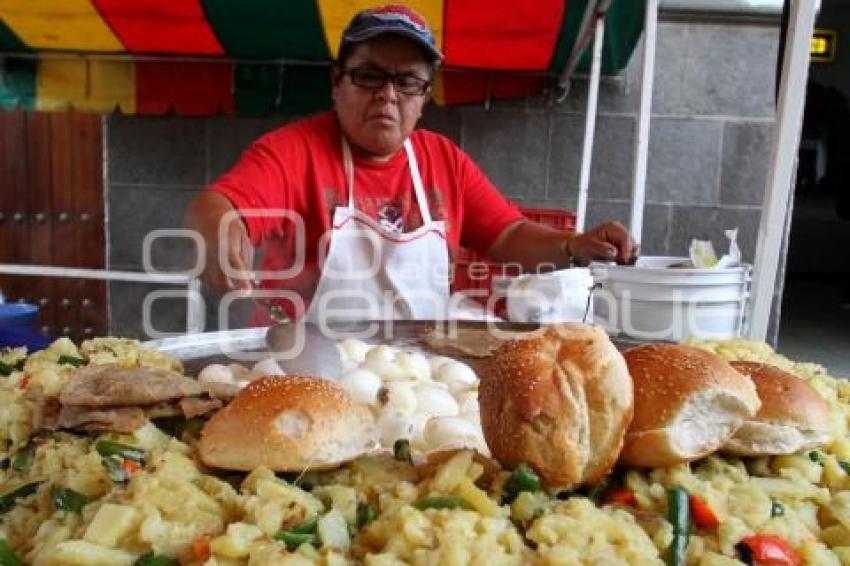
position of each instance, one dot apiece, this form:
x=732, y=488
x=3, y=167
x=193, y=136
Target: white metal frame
x=783, y=159
x=194, y=314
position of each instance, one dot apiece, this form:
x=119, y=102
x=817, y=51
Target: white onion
x=267, y=367
x=216, y=373
x=382, y=352
x=240, y=372
x=468, y=401
x=437, y=362
x=452, y=432
x=394, y=426
x=353, y=350
x=388, y=370
x=415, y=364
x=417, y=430
x=474, y=417
x=435, y=402
x=400, y=398
x=362, y=384
x=457, y=375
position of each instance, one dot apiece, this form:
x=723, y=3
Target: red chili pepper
x=621, y=496
x=201, y=547
x=768, y=550
x=701, y=513
x=130, y=466
x=24, y=383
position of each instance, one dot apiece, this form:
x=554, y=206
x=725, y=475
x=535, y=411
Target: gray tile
x=133, y=213
x=656, y=222
x=746, y=157
x=156, y=150
x=228, y=137
x=444, y=121
x=510, y=147
x=613, y=155
x=709, y=223
x=729, y=70
x=684, y=161
x=127, y=316
x=670, y=64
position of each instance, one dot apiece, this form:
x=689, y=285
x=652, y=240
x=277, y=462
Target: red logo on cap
x=394, y=9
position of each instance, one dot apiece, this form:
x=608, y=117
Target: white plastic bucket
x=558, y=296
x=653, y=301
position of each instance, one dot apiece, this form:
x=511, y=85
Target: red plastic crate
x=476, y=271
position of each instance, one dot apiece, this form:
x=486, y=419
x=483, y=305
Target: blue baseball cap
x=395, y=19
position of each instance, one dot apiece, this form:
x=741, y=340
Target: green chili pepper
x=305, y=527
x=678, y=513
x=107, y=448
x=442, y=502
x=294, y=540
x=816, y=457
x=522, y=479
x=5, y=463
x=24, y=459
x=156, y=560
x=66, y=499
x=7, y=500
x=7, y=555
x=777, y=509
x=365, y=514
x=6, y=369
x=845, y=465
x=72, y=360
x=401, y=450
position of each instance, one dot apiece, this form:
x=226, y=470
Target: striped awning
x=253, y=57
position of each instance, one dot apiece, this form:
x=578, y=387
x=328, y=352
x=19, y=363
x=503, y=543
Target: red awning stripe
x=504, y=34
x=160, y=26
x=191, y=89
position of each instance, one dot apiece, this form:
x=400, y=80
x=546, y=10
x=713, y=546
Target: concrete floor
x=815, y=324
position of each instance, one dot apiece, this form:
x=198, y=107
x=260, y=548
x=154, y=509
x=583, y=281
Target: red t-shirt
x=299, y=168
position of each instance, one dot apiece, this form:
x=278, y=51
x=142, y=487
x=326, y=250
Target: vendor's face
x=378, y=121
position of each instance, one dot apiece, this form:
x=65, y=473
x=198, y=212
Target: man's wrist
x=566, y=247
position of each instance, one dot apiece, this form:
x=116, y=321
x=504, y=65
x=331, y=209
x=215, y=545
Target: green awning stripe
x=17, y=84
x=268, y=29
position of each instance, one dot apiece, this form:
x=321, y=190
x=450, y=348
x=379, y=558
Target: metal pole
x=644, y=118
x=786, y=140
x=590, y=122
x=99, y=274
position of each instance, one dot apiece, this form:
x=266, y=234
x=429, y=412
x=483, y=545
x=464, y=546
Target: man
x=376, y=204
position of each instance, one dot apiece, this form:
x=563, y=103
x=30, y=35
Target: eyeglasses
x=374, y=79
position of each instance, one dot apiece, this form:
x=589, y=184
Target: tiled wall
x=708, y=160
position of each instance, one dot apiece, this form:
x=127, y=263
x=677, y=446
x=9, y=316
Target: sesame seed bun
x=560, y=401
x=793, y=417
x=287, y=424
x=688, y=403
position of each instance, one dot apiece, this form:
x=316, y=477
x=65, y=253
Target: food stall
x=430, y=443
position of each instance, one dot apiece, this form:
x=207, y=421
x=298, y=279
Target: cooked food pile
x=720, y=464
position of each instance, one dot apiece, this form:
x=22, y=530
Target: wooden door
x=52, y=213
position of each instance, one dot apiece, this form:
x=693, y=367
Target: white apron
x=370, y=272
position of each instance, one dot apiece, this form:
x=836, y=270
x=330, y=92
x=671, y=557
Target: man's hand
x=607, y=242
x=205, y=215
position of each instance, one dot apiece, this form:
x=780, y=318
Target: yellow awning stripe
x=91, y=86
x=336, y=14
x=59, y=24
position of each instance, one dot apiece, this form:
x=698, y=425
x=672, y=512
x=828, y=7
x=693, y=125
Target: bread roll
x=288, y=424
x=560, y=401
x=793, y=417
x=688, y=403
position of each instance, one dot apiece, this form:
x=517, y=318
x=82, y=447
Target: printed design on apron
x=372, y=269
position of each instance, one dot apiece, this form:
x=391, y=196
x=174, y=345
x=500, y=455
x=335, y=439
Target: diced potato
x=843, y=554
x=812, y=471
x=836, y=535
x=111, y=522
x=816, y=553
x=236, y=542
x=714, y=559
x=84, y=553
x=333, y=530
x=339, y=497
x=452, y=472
x=476, y=497
x=274, y=489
